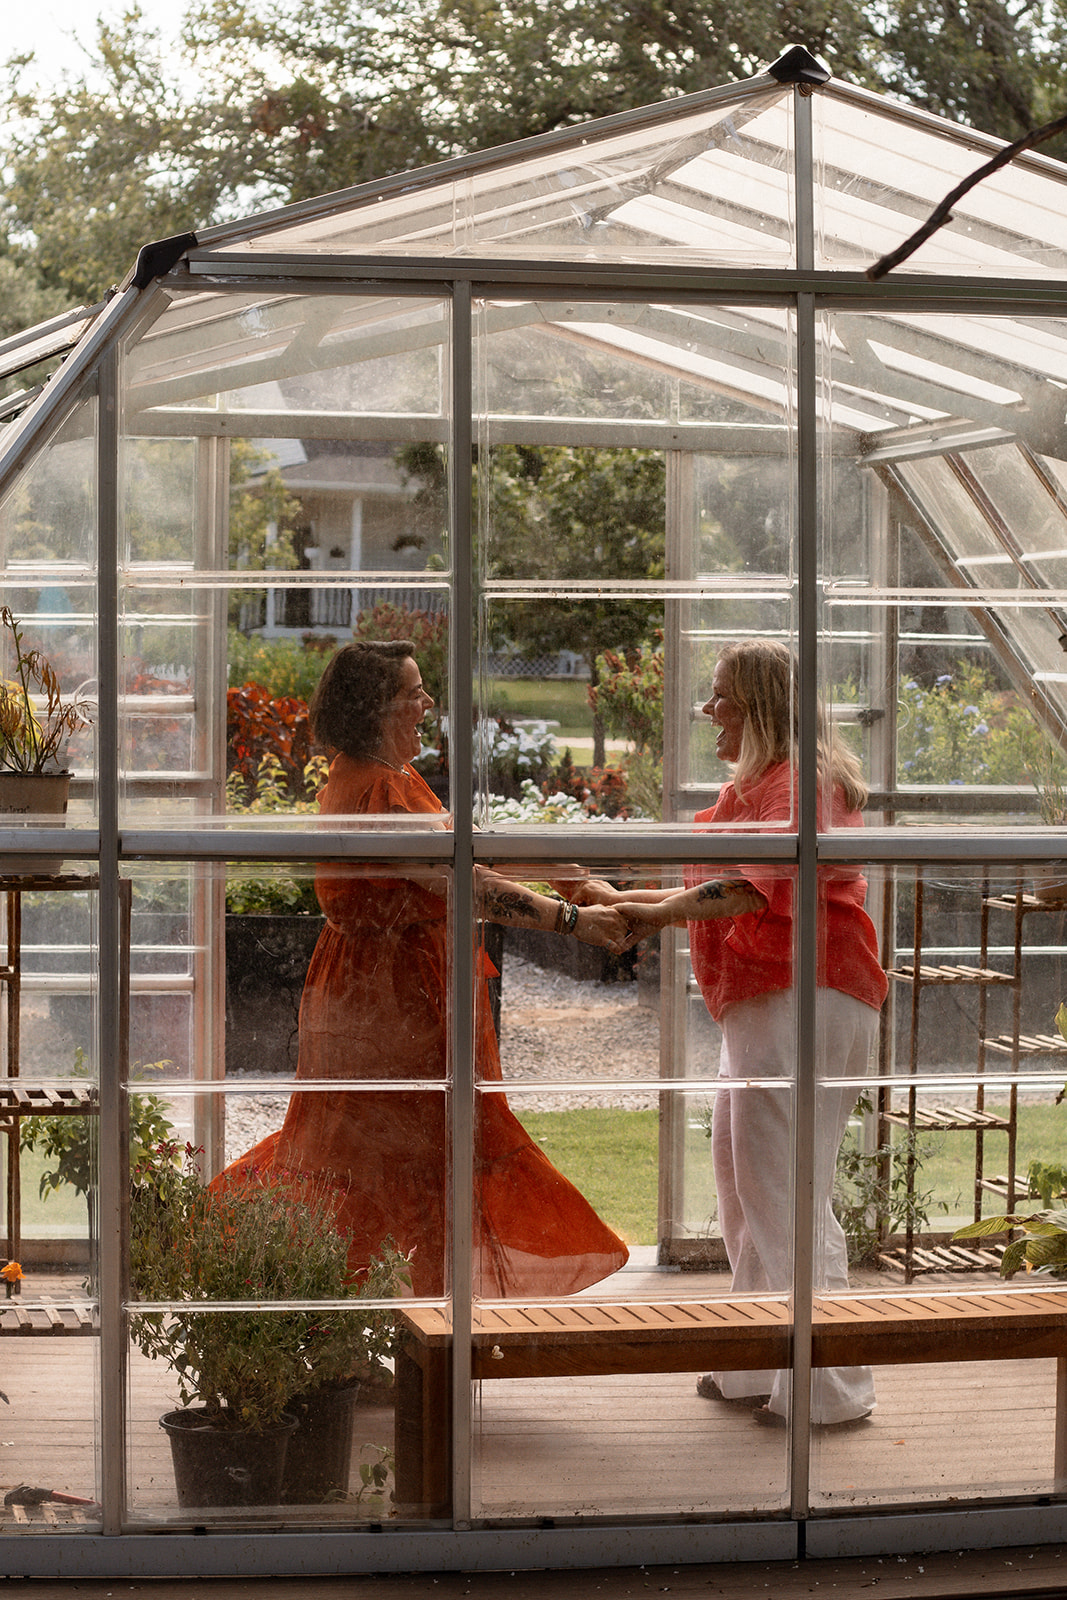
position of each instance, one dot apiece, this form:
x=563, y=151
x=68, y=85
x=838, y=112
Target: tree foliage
x=276, y=100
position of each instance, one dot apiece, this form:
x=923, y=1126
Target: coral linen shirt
x=739, y=958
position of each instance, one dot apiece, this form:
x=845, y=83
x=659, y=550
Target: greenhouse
x=384, y=1083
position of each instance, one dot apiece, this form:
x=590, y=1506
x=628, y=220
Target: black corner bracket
x=799, y=66
x=153, y=260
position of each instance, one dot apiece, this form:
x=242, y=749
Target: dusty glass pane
x=880, y=173
x=50, y=1077
x=956, y=706
x=49, y=1103
x=283, y=354
x=308, y=1366
x=51, y=1433
x=958, y=1123
x=710, y=184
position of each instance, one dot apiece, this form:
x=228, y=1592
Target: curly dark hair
x=349, y=705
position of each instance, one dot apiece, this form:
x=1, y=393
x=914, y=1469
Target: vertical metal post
x=805, y=955
x=460, y=708
x=674, y=965
x=110, y=1029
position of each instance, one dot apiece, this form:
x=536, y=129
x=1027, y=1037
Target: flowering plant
x=265, y=1239
x=35, y=719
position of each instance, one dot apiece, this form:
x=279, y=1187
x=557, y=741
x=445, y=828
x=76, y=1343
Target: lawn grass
x=612, y=1156
x=562, y=700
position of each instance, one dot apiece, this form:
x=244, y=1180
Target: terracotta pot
x=318, y=1463
x=226, y=1466
x=38, y=798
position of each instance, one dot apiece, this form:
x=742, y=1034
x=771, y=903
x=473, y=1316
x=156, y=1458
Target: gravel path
x=554, y=1029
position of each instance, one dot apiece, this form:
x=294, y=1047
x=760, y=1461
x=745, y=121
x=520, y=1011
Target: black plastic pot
x=226, y=1466
x=318, y=1463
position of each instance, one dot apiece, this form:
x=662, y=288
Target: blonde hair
x=762, y=679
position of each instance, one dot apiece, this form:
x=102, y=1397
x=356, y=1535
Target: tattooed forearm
x=711, y=891
x=503, y=904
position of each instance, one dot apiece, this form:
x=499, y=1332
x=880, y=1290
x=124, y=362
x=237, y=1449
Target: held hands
x=603, y=926
x=595, y=892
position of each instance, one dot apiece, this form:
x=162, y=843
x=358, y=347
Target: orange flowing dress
x=374, y=1006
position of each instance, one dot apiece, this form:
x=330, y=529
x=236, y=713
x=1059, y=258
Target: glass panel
x=959, y=1122
x=956, y=706
x=880, y=173
x=279, y=1404
x=328, y=1124
x=49, y=1101
x=253, y=552
x=622, y=567
x=711, y=185
x=47, y=564
x=593, y=1175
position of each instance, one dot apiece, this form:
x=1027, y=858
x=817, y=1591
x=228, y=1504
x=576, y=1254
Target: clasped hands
x=643, y=913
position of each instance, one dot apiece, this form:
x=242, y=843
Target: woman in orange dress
x=375, y=1007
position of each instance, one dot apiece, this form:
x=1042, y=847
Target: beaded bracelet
x=561, y=913
x=571, y=918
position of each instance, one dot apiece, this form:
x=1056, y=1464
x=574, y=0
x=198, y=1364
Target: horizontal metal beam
x=544, y=279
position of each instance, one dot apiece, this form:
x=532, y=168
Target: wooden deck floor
x=567, y=1448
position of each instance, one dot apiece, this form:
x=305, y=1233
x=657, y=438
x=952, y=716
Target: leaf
x=1014, y=1257
x=988, y=1226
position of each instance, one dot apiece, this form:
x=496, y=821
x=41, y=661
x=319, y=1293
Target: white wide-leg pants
x=752, y=1148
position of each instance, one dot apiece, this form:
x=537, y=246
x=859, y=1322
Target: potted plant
x=36, y=721
x=247, y=1379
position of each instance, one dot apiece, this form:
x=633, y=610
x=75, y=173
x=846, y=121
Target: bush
x=284, y=667
x=628, y=695
x=268, y=743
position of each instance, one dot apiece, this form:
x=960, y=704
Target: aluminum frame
x=809, y=293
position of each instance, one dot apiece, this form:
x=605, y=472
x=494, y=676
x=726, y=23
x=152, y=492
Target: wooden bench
x=579, y=1339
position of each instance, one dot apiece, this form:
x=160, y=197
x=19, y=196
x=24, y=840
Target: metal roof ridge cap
x=415, y=178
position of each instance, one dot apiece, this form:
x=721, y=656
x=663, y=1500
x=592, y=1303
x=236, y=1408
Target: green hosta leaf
x=1044, y=1223
x=988, y=1226
x=1046, y=1252
x=1014, y=1257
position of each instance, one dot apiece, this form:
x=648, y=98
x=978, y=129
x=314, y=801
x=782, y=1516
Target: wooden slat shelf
x=942, y=1258
x=1030, y=1044
x=905, y=973
x=936, y=1119
x=1025, y=902
x=50, y=1319
x=999, y=1185
x=21, y=1098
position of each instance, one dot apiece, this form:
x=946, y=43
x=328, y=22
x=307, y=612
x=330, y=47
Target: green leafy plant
x=628, y=695
x=36, y=720
x=68, y=1144
x=1042, y=1248
x=265, y=1238
x=871, y=1196
x=268, y=742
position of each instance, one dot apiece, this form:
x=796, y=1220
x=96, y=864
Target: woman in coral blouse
x=375, y=1007
x=741, y=936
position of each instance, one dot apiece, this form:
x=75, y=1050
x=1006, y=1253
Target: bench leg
x=424, y=1431
x=1060, y=1464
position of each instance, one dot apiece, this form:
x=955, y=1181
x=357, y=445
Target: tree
x=559, y=515
x=291, y=98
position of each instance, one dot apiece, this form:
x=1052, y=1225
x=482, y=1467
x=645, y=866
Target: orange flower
x=12, y=1272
